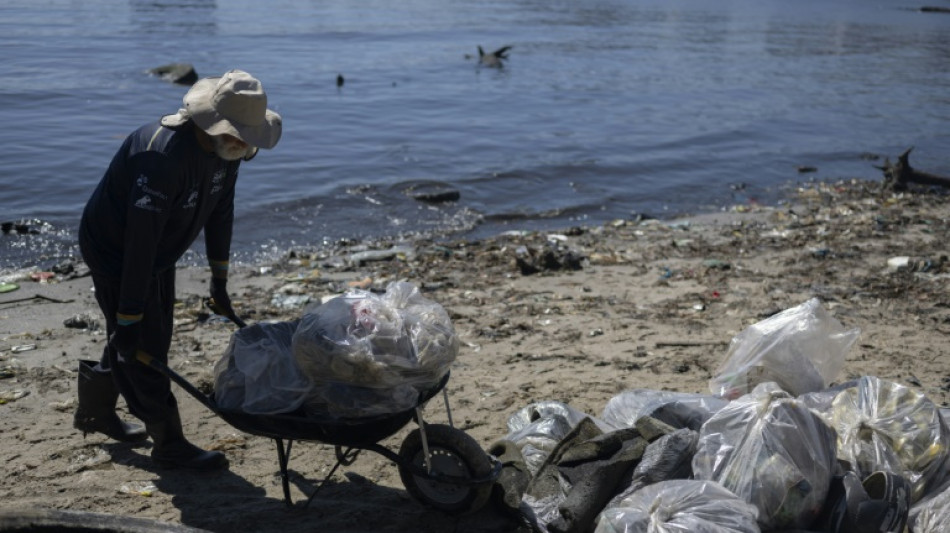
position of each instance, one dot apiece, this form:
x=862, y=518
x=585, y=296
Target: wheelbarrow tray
x=354, y=432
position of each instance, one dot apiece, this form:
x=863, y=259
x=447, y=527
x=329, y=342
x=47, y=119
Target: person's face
x=230, y=148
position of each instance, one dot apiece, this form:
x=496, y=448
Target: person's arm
x=147, y=211
x=218, y=231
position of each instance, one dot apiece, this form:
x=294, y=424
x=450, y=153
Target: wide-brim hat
x=234, y=104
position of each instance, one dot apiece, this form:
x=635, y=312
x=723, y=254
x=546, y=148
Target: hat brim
x=198, y=101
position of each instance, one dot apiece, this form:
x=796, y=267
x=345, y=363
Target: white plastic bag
x=678, y=506
x=773, y=452
x=802, y=349
x=258, y=374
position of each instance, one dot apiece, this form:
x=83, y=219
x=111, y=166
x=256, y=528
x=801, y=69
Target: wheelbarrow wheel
x=453, y=454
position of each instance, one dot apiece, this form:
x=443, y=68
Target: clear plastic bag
x=677, y=506
x=802, y=349
x=886, y=426
x=258, y=374
x=772, y=451
x=373, y=354
x=678, y=409
x=932, y=514
x=538, y=428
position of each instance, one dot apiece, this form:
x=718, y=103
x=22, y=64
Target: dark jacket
x=159, y=192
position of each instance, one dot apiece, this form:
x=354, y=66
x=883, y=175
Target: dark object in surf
x=16, y=227
x=433, y=193
x=898, y=175
x=179, y=73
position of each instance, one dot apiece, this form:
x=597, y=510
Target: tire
x=452, y=453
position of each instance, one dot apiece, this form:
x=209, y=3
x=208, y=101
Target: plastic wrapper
x=678, y=409
x=538, y=428
x=258, y=374
x=369, y=354
x=772, y=451
x=886, y=426
x=678, y=506
x=802, y=349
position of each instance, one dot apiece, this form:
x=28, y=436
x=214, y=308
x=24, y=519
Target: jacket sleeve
x=149, y=202
x=219, y=227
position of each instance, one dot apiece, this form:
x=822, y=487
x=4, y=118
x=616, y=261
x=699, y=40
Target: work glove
x=220, y=301
x=125, y=339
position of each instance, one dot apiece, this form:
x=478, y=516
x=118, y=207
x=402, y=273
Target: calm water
x=605, y=108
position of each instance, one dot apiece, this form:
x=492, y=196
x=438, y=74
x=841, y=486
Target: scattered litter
x=8, y=287
x=42, y=277
x=141, y=488
x=229, y=443
x=64, y=406
x=289, y=301
x=23, y=348
x=13, y=395
x=82, y=321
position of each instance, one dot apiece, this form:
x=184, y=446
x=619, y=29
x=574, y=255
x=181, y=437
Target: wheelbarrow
x=440, y=466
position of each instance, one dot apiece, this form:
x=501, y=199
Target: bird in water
x=494, y=59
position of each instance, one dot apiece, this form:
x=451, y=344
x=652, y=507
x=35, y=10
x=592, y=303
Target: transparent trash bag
x=373, y=354
x=538, y=428
x=678, y=409
x=772, y=451
x=802, y=349
x=258, y=374
x=932, y=514
x=677, y=506
x=887, y=426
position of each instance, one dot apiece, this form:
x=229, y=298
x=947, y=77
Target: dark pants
x=146, y=391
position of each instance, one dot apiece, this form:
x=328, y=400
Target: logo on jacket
x=192, y=201
x=216, y=180
x=142, y=183
x=145, y=202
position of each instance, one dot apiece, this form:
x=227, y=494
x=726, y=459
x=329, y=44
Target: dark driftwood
x=898, y=175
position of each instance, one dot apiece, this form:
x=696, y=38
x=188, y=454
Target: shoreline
x=576, y=317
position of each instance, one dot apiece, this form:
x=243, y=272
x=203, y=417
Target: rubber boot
x=172, y=450
x=96, y=411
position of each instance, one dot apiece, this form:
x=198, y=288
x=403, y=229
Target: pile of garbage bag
x=777, y=445
x=356, y=355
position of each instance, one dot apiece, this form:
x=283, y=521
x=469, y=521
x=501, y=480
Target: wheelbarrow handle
x=147, y=360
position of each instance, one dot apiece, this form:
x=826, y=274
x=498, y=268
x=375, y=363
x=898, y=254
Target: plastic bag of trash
x=932, y=513
x=678, y=409
x=772, y=451
x=538, y=428
x=882, y=425
x=373, y=354
x=680, y=505
x=802, y=349
x=258, y=374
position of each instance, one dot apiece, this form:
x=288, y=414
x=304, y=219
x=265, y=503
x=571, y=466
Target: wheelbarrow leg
x=344, y=458
x=283, y=457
